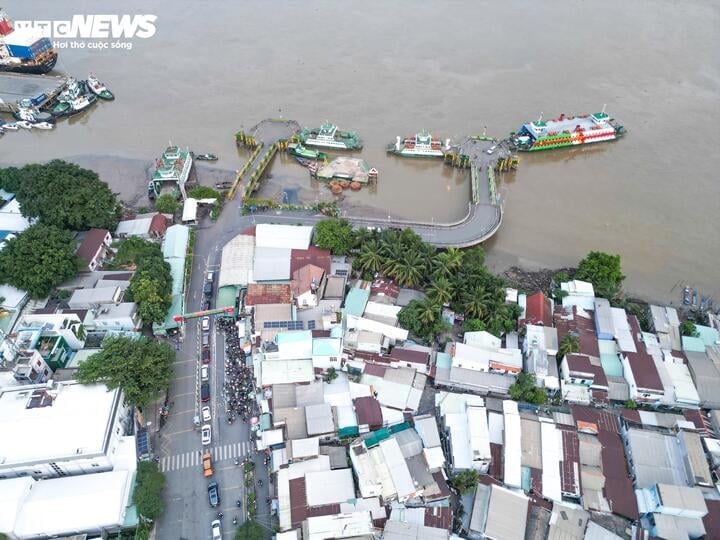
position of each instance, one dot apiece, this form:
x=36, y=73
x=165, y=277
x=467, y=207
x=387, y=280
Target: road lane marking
x=192, y=458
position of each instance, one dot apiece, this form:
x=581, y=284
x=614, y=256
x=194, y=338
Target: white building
x=64, y=429
x=282, y=236
x=579, y=293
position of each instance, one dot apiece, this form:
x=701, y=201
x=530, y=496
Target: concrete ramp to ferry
x=39, y=88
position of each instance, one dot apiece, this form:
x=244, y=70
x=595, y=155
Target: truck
x=207, y=464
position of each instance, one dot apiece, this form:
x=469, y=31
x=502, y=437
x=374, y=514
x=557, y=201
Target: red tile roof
x=712, y=518
x=409, y=355
x=158, y=224
x=442, y=484
x=579, y=363
x=568, y=321
x=570, y=465
x=368, y=411
x=536, y=480
x=268, y=293
x=644, y=371
x=385, y=287
x=538, y=309
x=375, y=369
x=313, y=255
x=439, y=517
x=496, y=461
x=91, y=244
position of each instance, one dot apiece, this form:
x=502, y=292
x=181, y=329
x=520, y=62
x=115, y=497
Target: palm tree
x=407, y=271
x=370, y=259
x=568, y=345
x=476, y=302
x=427, y=312
x=442, y=266
x=391, y=249
x=455, y=257
x=440, y=291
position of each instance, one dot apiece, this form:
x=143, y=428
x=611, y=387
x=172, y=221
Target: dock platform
x=17, y=86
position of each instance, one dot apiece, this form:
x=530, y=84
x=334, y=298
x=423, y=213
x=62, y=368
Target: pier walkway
x=39, y=88
x=485, y=210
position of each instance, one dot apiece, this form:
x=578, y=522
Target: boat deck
x=17, y=86
x=558, y=125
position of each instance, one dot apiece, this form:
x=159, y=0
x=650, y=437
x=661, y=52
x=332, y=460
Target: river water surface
x=455, y=68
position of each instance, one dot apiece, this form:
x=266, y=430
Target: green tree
x=142, y=368
x=440, y=291
x=477, y=301
x=688, y=328
x=630, y=404
x=503, y=319
x=408, y=270
x=524, y=389
x=331, y=375
x=568, y=345
x=603, y=271
x=370, y=258
x=146, y=497
x=250, y=530
x=334, y=234
x=63, y=194
x=167, y=204
x=132, y=251
x=422, y=318
x=203, y=192
x=151, y=288
x=38, y=259
x=465, y=481
x=474, y=325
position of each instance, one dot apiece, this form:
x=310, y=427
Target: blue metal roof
x=293, y=336
x=326, y=347
x=356, y=300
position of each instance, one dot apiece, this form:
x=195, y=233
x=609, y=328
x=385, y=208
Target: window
x=333, y=359
x=94, y=464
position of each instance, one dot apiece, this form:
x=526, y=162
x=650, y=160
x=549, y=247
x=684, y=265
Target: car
x=205, y=373
x=206, y=414
x=207, y=305
x=205, y=392
x=213, y=493
x=207, y=464
x=206, y=434
x=205, y=340
x=206, y=356
x=215, y=528
x=205, y=324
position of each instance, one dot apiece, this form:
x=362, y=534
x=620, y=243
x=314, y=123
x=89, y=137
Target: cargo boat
x=300, y=151
x=567, y=131
x=419, y=145
x=24, y=50
x=329, y=136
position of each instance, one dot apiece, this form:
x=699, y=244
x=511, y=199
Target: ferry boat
x=567, y=131
x=24, y=50
x=298, y=150
x=328, y=136
x=172, y=171
x=419, y=145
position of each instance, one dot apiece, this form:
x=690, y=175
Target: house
x=271, y=264
x=581, y=375
x=416, y=358
x=12, y=221
x=306, y=285
x=94, y=248
x=538, y=310
x=283, y=236
x=268, y=293
x=579, y=294
x=93, y=298
x=642, y=377
x=114, y=318
x=369, y=413
x=147, y=226
x=467, y=434
x=498, y=513
x=326, y=353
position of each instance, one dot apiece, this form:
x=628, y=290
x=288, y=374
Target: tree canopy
x=688, y=328
x=422, y=319
x=63, y=194
x=250, y=530
x=38, y=259
x=142, y=368
x=603, y=271
x=524, y=389
x=465, y=481
x=334, y=234
x=166, y=204
x=133, y=250
x=151, y=286
x=203, y=192
x=146, y=497
x=569, y=344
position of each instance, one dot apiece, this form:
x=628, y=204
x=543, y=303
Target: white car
x=206, y=435
x=204, y=373
x=205, y=324
x=215, y=527
x=206, y=414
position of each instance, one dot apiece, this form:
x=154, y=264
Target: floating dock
x=38, y=88
x=345, y=168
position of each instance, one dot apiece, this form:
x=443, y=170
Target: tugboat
x=73, y=99
x=328, y=136
x=567, y=131
x=420, y=145
x=24, y=50
x=99, y=89
x=298, y=150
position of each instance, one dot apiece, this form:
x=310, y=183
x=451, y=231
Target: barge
x=421, y=144
x=566, y=131
x=329, y=136
x=24, y=50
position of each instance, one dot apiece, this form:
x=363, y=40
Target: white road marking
x=186, y=460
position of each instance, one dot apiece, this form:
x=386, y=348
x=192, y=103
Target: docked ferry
x=298, y=150
x=419, y=145
x=567, y=131
x=24, y=50
x=329, y=136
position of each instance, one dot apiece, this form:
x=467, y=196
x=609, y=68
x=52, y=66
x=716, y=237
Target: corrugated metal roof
x=271, y=264
x=237, y=261
x=283, y=236
x=176, y=242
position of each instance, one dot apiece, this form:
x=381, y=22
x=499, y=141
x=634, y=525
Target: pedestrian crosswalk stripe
x=193, y=458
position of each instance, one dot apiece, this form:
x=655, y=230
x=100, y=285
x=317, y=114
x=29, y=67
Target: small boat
x=206, y=157
x=24, y=124
x=43, y=125
x=302, y=161
x=10, y=126
x=99, y=89
x=687, y=293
